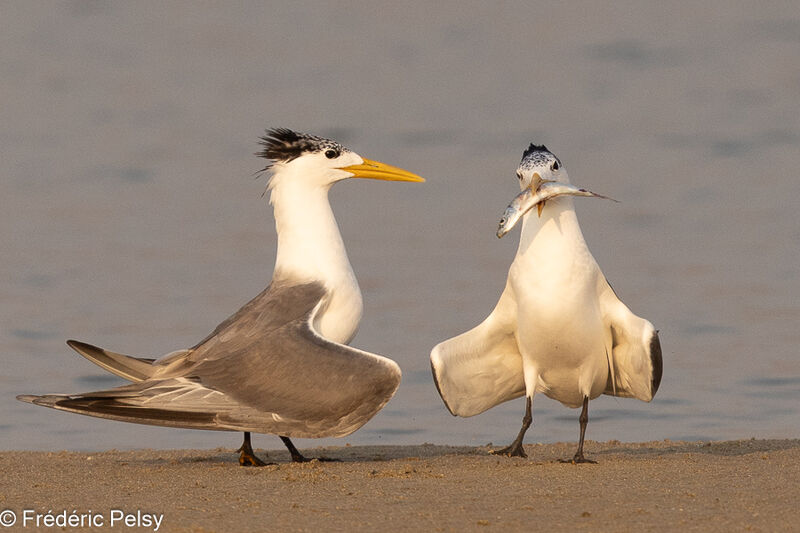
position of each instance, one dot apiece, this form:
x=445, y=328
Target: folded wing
x=264, y=369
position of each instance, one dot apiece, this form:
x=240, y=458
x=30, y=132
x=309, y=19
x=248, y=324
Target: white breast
x=310, y=248
x=560, y=330
x=340, y=316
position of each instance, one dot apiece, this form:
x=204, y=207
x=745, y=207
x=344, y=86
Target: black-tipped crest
x=282, y=145
x=537, y=155
x=535, y=148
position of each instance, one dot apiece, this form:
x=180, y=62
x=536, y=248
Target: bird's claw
x=249, y=459
x=510, y=451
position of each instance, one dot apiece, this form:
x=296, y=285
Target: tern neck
x=558, y=226
x=310, y=246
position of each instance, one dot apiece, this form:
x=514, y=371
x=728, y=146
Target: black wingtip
x=655, y=359
x=439, y=390
x=84, y=348
x=77, y=345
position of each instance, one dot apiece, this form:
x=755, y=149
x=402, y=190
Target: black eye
x=519, y=175
x=331, y=154
x=554, y=166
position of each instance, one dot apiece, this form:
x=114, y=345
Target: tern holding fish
x=524, y=202
x=558, y=329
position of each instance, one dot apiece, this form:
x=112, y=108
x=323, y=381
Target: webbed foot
x=246, y=455
x=514, y=449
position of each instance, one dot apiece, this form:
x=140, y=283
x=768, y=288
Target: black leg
x=583, y=419
x=298, y=457
x=515, y=449
x=246, y=455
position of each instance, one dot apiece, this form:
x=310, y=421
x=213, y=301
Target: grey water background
x=131, y=218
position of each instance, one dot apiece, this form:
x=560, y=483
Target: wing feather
x=264, y=369
x=635, y=351
x=481, y=368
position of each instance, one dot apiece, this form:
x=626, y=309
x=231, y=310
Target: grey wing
x=125, y=366
x=312, y=387
x=177, y=402
x=260, y=308
x=264, y=370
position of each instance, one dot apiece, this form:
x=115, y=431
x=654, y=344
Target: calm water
x=131, y=219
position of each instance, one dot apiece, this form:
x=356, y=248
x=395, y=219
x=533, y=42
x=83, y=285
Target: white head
x=539, y=165
x=315, y=162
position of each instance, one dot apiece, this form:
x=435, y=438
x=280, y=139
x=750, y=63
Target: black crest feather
x=534, y=148
x=284, y=145
x=536, y=155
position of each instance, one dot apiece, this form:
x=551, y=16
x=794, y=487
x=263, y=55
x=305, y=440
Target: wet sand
x=652, y=486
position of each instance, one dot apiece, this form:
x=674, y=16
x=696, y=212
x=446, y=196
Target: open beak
x=381, y=171
x=536, y=182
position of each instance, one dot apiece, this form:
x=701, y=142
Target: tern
x=281, y=364
x=558, y=329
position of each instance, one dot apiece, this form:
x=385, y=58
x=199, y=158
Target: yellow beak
x=536, y=182
x=381, y=171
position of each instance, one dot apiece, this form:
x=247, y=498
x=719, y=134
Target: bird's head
x=539, y=165
x=321, y=162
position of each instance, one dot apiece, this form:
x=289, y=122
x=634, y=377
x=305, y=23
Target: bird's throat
x=310, y=248
x=554, y=232
x=309, y=243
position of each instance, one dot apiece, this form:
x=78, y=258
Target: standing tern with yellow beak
x=281, y=364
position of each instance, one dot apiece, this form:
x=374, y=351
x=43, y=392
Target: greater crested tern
x=558, y=328
x=280, y=364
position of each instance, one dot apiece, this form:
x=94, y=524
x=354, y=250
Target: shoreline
x=658, y=486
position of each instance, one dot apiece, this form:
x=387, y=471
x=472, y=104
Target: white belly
x=560, y=331
x=563, y=352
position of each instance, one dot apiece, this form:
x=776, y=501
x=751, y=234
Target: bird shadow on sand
x=723, y=448
x=539, y=453
x=340, y=454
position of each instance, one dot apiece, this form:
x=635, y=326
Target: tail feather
x=112, y=409
x=124, y=366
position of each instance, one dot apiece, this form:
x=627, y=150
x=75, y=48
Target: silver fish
x=527, y=199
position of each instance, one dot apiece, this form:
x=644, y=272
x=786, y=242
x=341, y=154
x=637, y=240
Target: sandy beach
x=748, y=485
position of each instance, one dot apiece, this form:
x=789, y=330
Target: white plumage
x=558, y=329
